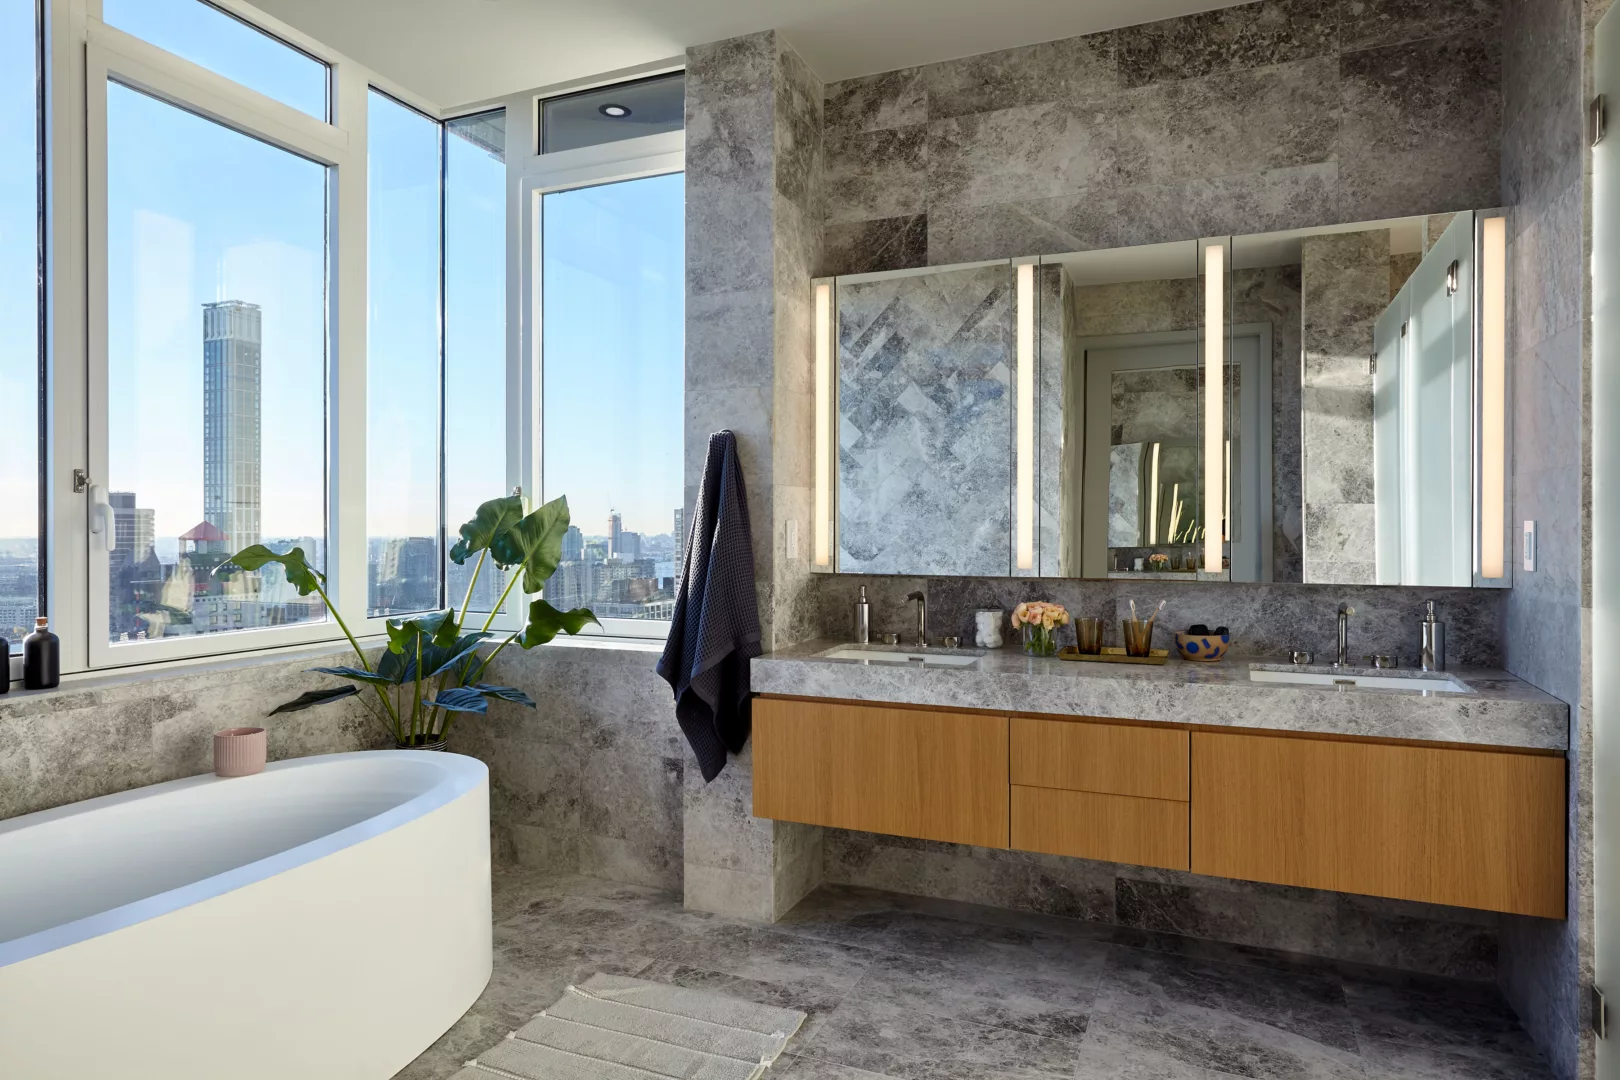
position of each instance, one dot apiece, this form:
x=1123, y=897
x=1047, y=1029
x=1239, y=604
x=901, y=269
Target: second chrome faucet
x=1345, y=611
x=922, y=618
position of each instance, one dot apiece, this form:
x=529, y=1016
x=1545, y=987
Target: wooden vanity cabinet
x=1442, y=824
x=904, y=772
x=1471, y=828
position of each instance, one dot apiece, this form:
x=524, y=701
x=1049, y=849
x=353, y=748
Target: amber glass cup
x=1138, y=636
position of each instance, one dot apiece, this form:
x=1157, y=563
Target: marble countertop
x=1496, y=709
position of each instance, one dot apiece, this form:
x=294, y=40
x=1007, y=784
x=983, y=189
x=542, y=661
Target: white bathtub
x=329, y=917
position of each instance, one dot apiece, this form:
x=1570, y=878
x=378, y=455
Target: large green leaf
x=300, y=575
x=492, y=519
x=546, y=622
x=357, y=675
x=460, y=699
x=315, y=697
x=439, y=659
x=534, y=543
x=505, y=693
x=439, y=628
x=396, y=667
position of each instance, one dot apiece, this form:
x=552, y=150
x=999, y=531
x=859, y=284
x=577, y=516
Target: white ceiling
x=455, y=52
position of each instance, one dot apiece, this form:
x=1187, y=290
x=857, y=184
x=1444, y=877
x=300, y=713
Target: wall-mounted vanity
x=1320, y=406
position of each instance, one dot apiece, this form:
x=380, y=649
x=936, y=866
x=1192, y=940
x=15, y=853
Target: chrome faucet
x=922, y=618
x=1345, y=611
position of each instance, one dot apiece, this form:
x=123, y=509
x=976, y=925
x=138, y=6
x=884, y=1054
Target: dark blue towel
x=716, y=627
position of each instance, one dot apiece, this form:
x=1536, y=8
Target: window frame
x=535, y=175
x=111, y=55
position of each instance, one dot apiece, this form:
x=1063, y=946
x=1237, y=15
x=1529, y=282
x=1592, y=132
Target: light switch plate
x=793, y=538
x=1530, y=545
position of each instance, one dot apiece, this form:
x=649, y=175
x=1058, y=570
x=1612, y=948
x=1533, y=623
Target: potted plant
x=432, y=672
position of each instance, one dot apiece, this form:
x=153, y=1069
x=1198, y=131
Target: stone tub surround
x=1500, y=711
x=100, y=734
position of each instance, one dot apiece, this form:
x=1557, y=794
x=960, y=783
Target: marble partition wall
x=925, y=422
x=1271, y=115
x=1345, y=280
x=1547, y=966
x=753, y=241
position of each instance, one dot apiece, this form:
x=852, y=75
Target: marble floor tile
x=908, y=988
x=873, y=1035
x=957, y=990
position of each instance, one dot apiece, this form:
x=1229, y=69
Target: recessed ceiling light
x=616, y=112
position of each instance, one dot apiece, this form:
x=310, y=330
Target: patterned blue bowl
x=1203, y=648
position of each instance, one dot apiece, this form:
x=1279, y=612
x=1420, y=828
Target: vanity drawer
x=1471, y=828
x=900, y=771
x=1112, y=828
x=1111, y=759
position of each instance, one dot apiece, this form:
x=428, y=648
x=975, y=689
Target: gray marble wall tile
x=1227, y=39
x=865, y=247
x=1027, y=152
x=888, y=100
x=1422, y=127
x=1239, y=122
x=882, y=173
x=1069, y=71
x=1367, y=24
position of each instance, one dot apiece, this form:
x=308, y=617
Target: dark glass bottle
x=42, y=657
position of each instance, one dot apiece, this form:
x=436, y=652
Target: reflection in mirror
x=925, y=421
x=1348, y=445
x=1338, y=445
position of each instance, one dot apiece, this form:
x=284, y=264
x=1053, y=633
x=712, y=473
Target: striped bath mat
x=613, y=1028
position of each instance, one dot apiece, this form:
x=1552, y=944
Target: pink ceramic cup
x=239, y=751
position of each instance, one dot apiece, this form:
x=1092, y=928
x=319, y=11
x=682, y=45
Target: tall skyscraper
x=231, y=397
x=615, y=530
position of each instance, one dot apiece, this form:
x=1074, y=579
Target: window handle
x=101, y=516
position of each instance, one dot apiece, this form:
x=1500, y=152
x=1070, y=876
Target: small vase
x=1039, y=641
x=239, y=751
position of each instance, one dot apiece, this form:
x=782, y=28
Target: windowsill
x=85, y=682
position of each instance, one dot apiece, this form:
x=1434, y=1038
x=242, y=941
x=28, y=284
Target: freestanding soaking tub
x=327, y=918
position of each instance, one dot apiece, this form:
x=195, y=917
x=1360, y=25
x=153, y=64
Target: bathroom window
x=612, y=365
x=405, y=350
x=476, y=461
x=222, y=43
x=216, y=328
x=21, y=311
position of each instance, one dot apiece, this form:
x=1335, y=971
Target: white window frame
x=532, y=175
x=81, y=54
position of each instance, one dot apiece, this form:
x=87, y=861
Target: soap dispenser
x=863, y=619
x=42, y=657
x=1432, y=650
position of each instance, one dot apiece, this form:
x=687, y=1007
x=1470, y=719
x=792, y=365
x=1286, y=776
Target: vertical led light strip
x=1493, y=398
x=823, y=361
x=1025, y=524
x=1214, y=391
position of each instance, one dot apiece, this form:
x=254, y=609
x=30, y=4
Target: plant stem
x=416, y=695
x=502, y=601
x=486, y=661
x=355, y=645
x=466, y=602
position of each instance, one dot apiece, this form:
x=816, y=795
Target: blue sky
x=198, y=213
x=19, y=356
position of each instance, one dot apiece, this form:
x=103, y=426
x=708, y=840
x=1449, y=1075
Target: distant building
x=628, y=548
x=405, y=576
x=134, y=527
x=573, y=544
x=231, y=408
x=680, y=539
x=615, y=531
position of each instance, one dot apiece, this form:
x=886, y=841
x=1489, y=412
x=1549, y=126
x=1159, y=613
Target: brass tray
x=1113, y=655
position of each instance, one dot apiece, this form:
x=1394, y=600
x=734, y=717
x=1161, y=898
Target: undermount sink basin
x=883, y=656
x=1417, y=682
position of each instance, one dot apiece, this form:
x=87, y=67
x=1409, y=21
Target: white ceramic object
x=326, y=918
x=875, y=656
x=1417, y=684
x=987, y=629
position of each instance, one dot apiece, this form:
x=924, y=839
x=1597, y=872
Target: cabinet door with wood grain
x=1472, y=828
x=905, y=772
